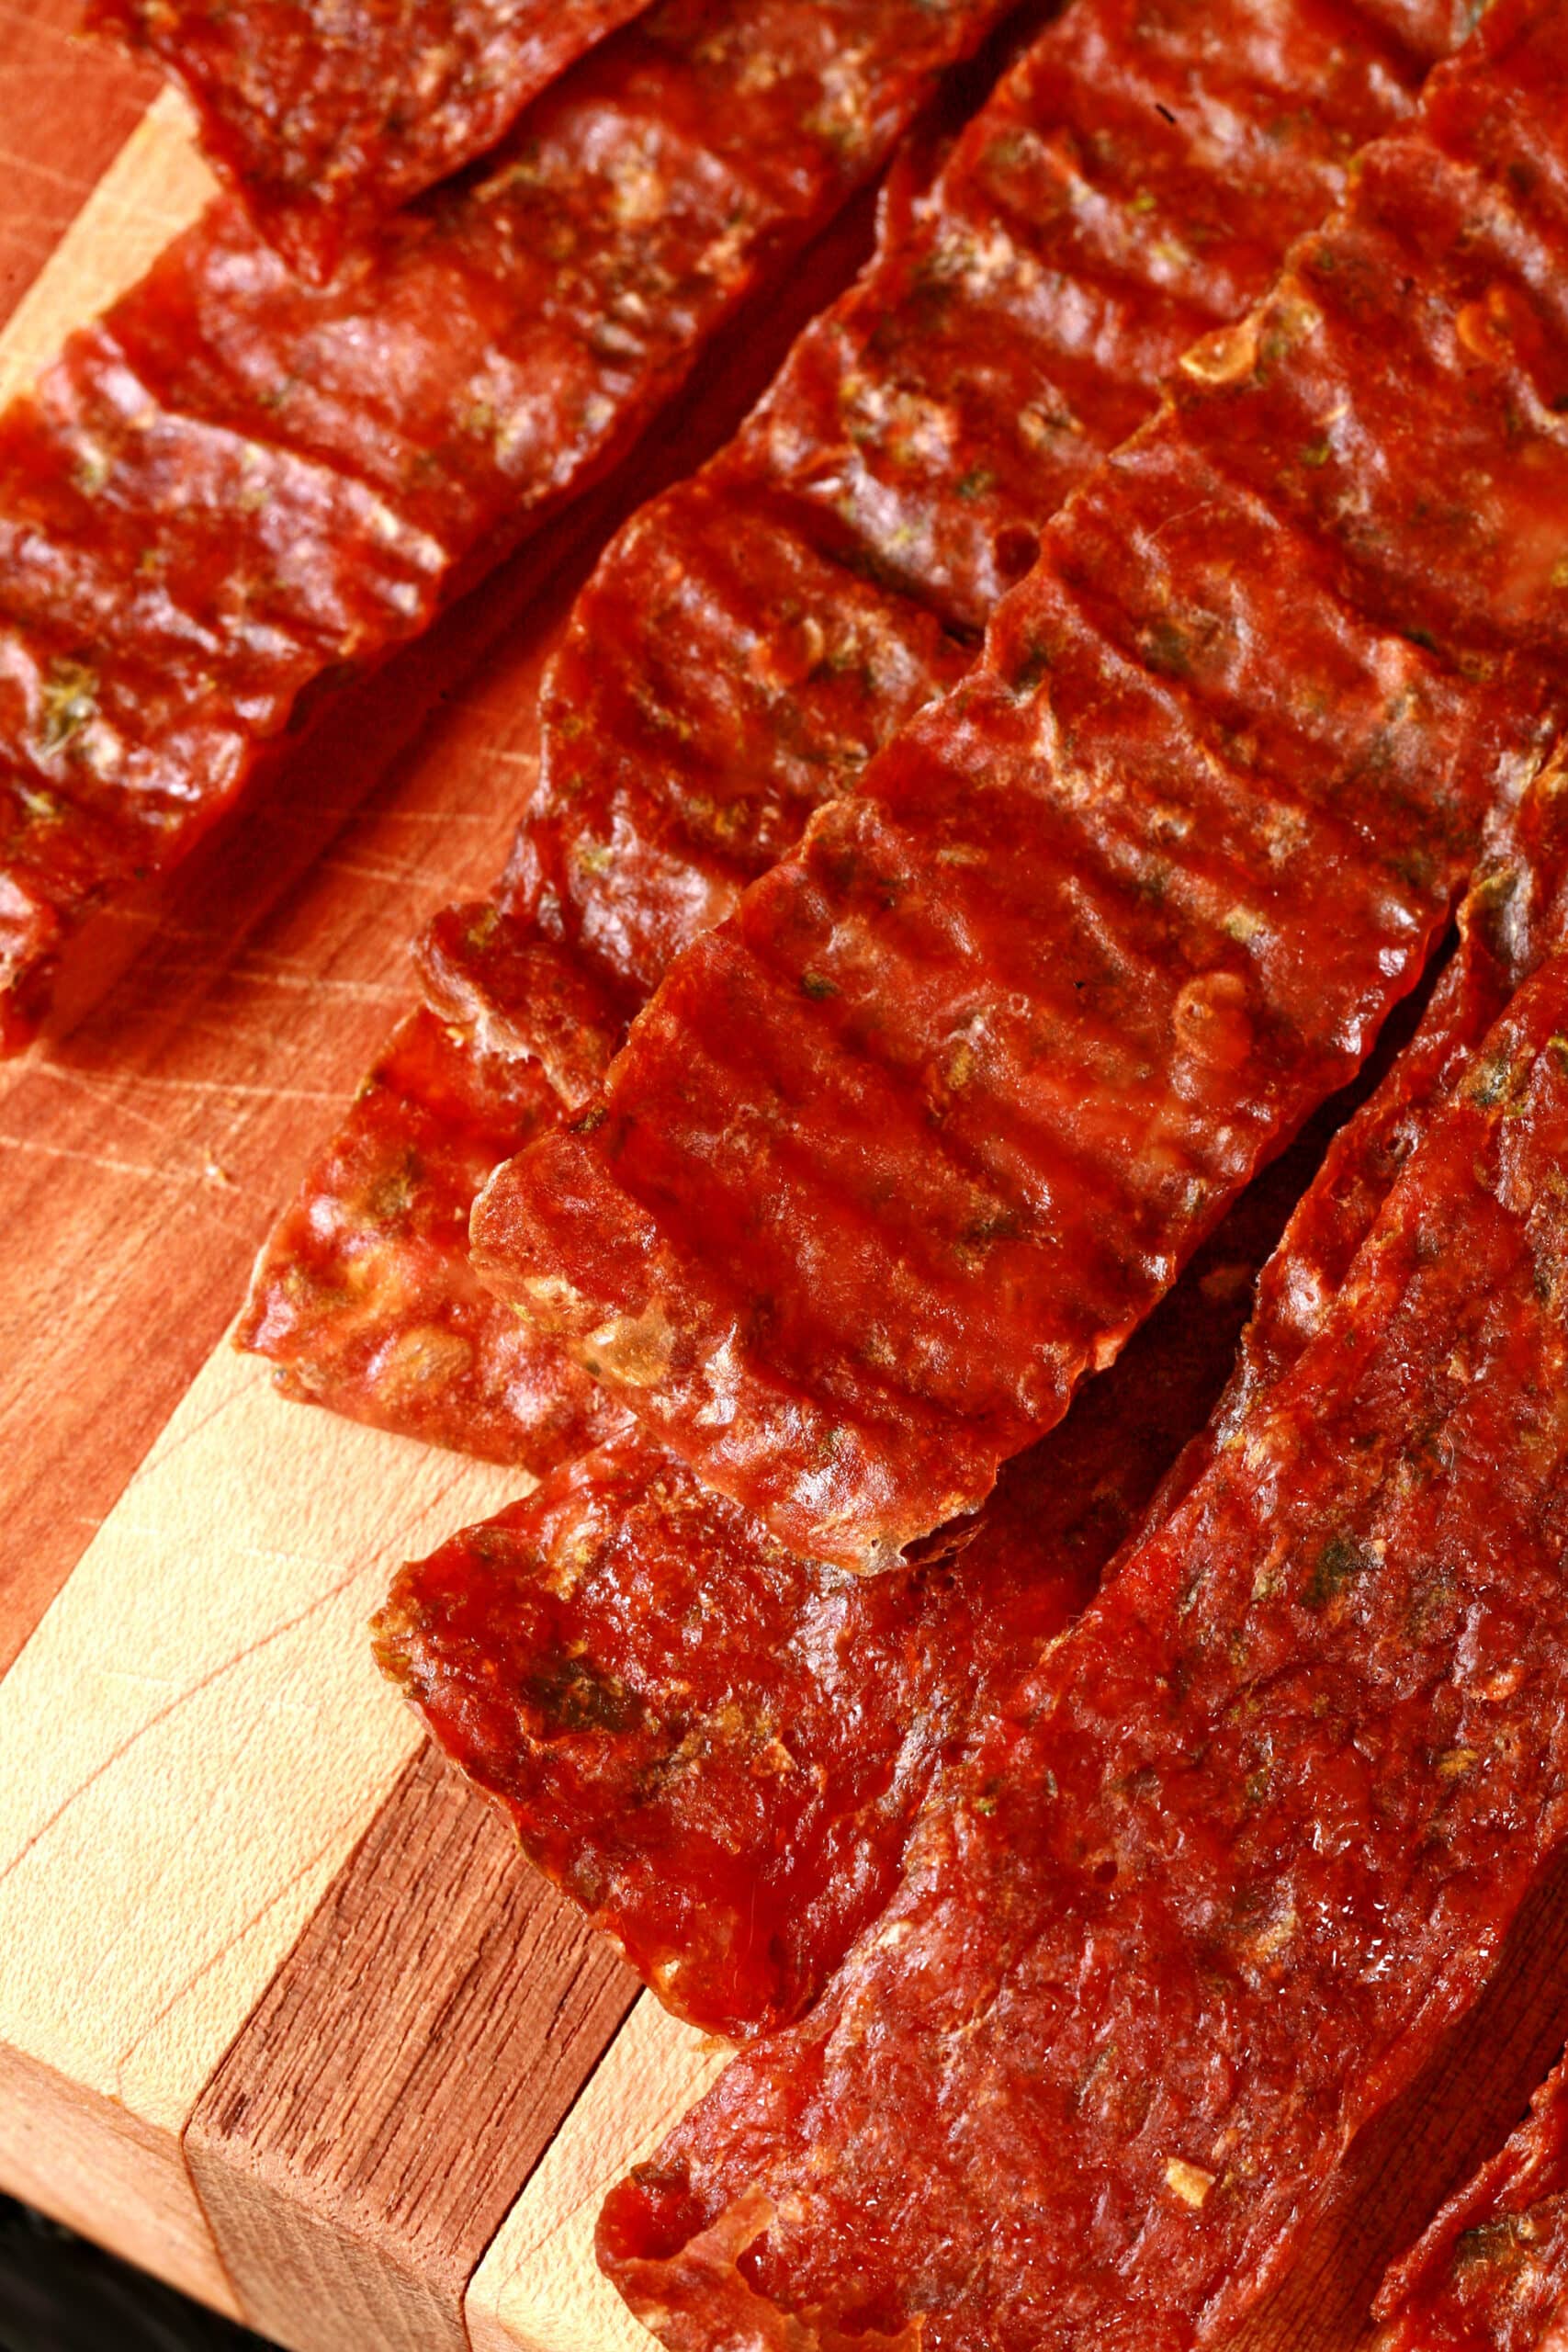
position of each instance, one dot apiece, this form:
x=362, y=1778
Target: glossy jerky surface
x=234, y=489
x=1491, y=2274
x=718, y=1751
x=1514, y=914
x=325, y=118
x=914, y=1140
x=1206, y=1891
x=755, y=635
x=380, y=1255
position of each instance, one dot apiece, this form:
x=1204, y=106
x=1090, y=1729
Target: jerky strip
x=1491, y=2273
x=752, y=637
x=757, y=633
x=234, y=489
x=914, y=1139
x=1206, y=1895
x=417, y=1338
x=718, y=1751
x=1514, y=912
x=324, y=120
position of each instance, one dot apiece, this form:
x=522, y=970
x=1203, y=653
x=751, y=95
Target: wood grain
x=91, y=2162
x=205, y=1743
x=155, y=187
x=367, y=2132
x=145, y=1150
x=539, y=2289
x=196, y=1741
x=66, y=105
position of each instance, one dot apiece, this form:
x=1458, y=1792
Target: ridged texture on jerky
x=1206, y=1895
x=326, y=118
x=755, y=634
x=1491, y=2274
x=911, y=1143
x=382, y=1249
x=1514, y=913
x=752, y=637
x=718, y=1751
x=233, y=488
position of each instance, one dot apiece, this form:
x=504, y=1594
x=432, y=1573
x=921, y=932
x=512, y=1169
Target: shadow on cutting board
x=60, y=2294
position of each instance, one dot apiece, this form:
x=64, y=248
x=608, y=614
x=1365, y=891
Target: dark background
x=60, y=2294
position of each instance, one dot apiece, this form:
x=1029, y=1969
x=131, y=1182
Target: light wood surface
x=404, y=2073
x=196, y=1741
x=282, y=2014
x=156, y=186
x=67, y=104
x=257, y=1852
x=539, y=2290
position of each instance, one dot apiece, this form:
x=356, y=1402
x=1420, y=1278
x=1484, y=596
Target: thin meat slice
x=1491, y=2273
x=1514, y=913
x=1214, y=1880
x=387, y=1257
x=917, y=1137
x=755, y=635
x=234, y=490
x=325, y=118
x=718, y=1751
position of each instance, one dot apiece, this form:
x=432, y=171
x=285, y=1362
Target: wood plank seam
x=166, y=1837
x=487, y=1995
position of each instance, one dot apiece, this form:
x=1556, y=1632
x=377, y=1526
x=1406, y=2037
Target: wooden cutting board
x=283, y=2015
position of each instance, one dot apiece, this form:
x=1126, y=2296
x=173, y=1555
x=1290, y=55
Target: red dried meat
x=914, y=1139
x=1205, y=1894
x=324, y=120
x=718, y=1751
x=758, y=632
x=417, y=1340
x=753, y=636
x=1514, y=913
x=1491, y=2274
x=233, y=490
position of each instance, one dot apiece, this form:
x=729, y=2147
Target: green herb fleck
x=1033, y=668
x=977, y=482
x=69, y=703
x=1338, y=1562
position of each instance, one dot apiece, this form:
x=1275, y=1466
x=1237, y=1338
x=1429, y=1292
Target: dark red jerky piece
x=512, y=993
x=1204, y=1897
x=736, y=1888
x=910, y=1144
x=718, y=1751
x=361, y=1293
x=754, y=636
x=1515, y=913
x=1491, y=2274
x=235, y=489
x=325, y=121
x=720, y=677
